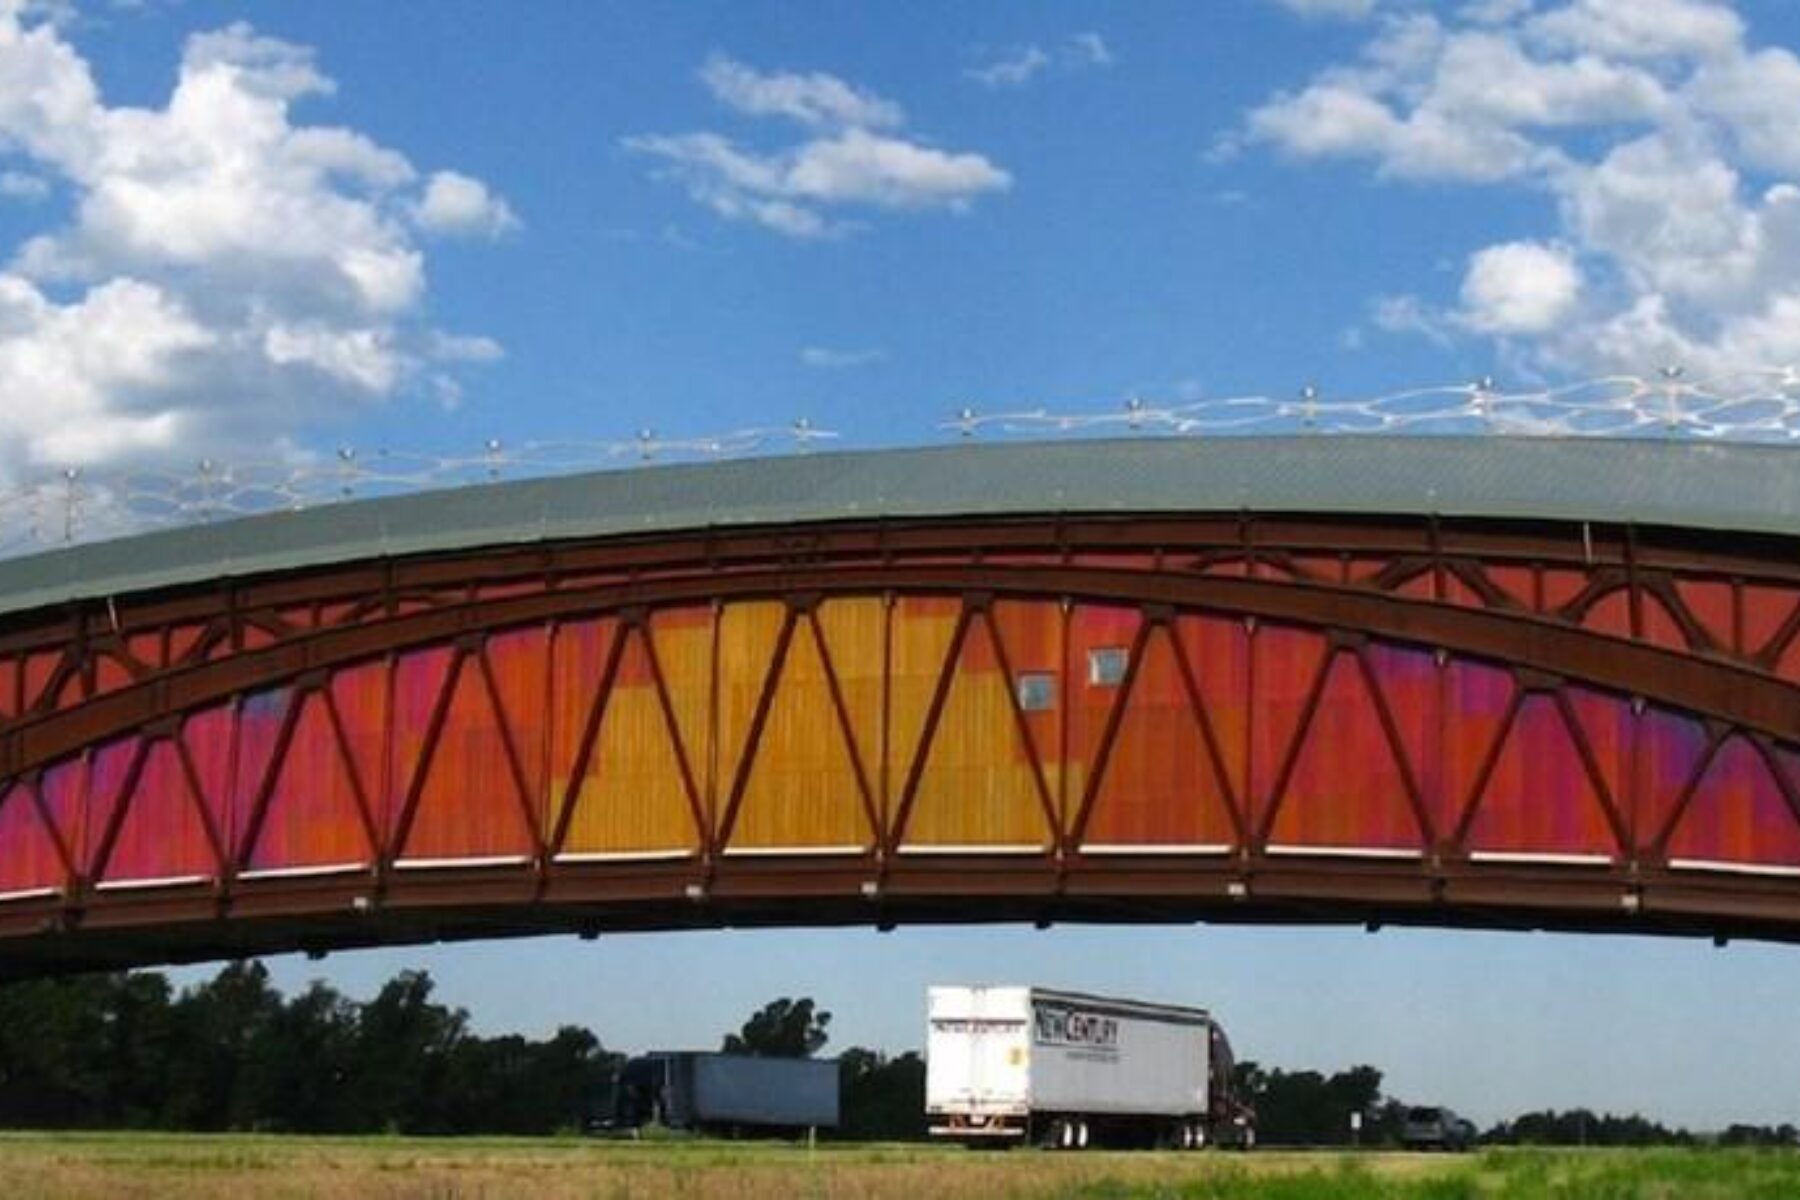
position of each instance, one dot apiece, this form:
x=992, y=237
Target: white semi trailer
x=1024, y=1065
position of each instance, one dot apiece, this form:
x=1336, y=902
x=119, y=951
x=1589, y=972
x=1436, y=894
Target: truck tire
x=1081, y=1135
x=1065, y=1135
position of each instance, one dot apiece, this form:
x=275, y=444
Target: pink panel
x=1540, y=799
x=1287, y=661
x=30, y=860
x=1738, y=814
x=162, y=834
x=311, y=817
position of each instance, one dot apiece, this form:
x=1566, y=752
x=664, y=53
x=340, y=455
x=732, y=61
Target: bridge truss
x=1237, y=717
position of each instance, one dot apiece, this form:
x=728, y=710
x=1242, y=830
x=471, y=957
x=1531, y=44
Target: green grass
x=151, y=1165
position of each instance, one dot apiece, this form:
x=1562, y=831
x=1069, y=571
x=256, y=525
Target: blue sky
x=267, y=229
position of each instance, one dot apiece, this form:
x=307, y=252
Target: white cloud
x=816, y=99
x=222, y=274
x=1519, y=288
x=796, y=190
x=1012, y=70
x=1663, y=145
x=1343, y=10
x=454, y=203
x=1018, y=66
x=827, y=359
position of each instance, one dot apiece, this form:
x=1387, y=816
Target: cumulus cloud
x=1662, y=143
x=1519, y=287
x=223, y=273
x=1018, y=66
x=854, y=159
x=455, y=203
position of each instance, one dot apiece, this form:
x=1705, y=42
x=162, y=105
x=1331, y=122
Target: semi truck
x=1066, y=1070
x=725, y=1093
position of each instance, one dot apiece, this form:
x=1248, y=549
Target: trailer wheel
x=1081, y=1135
x=1065, y=1135
x=1199, y=1135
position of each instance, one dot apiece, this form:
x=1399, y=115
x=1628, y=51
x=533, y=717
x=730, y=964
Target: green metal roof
x=1739, y=488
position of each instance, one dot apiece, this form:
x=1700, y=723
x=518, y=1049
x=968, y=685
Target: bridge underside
x=1232, y=718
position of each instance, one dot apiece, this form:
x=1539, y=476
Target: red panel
x=147, y=648
x=1031, y=635
x=1412, y=683
x=109, y=674
x=1286, y=664
x=162, y=834
x=1738, y=814
x=1476, y=697
x=108, y=773
x=1517, y=582
x=312, y=817
x=31, y=860
x=1766, y=610
x=1161, y=784
x=1660, y=626
x=1091, y=628
x=259, y=723
x=470, y=806
x=38, y=670
x=1709, y=601
x=1218, y=652
x=418, y=682
x=360, y=695
x=208, y=737
x=1540, y=799
x=520, y=665
x=1611, y=614
x=1561, y=586
x=9, y=688
x=1606, y=722
x=1347, y=789
x=1669, y=752
x=64, y=789
x=182, y=640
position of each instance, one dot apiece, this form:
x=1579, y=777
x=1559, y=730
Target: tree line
x=128, y=1051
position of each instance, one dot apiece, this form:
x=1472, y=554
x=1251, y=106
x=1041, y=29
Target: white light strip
x=1000, y=848
x=1160, y=848
x=1525, y=858
x=39, y=893
x=436, y=864
x=133, y=885
x=607, y=856
x=303, y=872
x=1386, y=852
x=1774, y=870
x=792, y=851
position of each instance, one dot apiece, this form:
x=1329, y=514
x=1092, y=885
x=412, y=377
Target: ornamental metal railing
x=77, y=504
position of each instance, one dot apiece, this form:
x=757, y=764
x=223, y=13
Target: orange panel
x=1218, y=651
x=311, y=818
x=631, y=799
x=1710, y=603
x=1476, y=697
x=922, y=629
x=578, y=657
x=854, y=631
x=418, y=682
x=683, y=640
x=803, y=789
x=1161, y=785
x=471, y=805
x=209, y=736
x=1611, y=614
x=747, y=637
x=1347, y=790
x=1092, y=629
x=1540, y=799
x=360, y=695
x=1030, y=633
x=978, y=787
x=519, y=664
x=1286, y=663
x=1766, y=610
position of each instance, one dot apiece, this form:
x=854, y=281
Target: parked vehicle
x=1020, y=1065
x=726, y=1093
x=1433, y=1127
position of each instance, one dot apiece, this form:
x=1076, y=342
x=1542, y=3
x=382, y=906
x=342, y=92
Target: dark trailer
x=719, y=1093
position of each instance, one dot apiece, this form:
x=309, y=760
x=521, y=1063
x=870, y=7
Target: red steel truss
x=1242, y=717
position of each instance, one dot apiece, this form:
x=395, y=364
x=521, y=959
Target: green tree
x=782, y=1028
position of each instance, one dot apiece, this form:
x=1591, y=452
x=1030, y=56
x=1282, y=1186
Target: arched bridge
x=1525, y=684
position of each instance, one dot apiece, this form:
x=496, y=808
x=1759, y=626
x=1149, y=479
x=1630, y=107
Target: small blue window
x=1037, y=691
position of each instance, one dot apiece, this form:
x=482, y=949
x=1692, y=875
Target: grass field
x=132, y=1165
